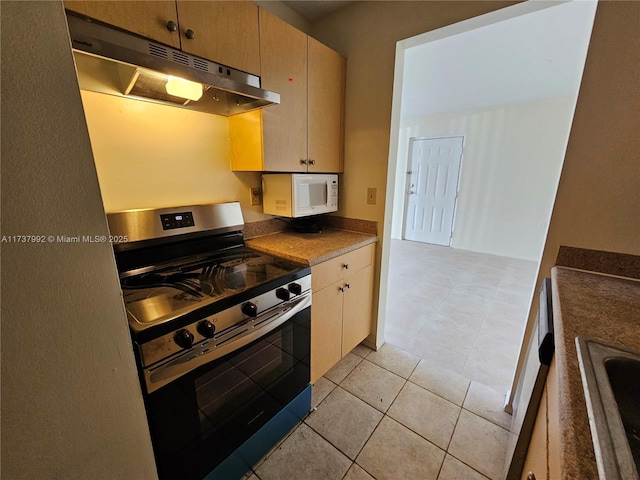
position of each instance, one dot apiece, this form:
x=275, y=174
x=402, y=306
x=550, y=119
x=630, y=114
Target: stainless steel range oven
x=221, y=335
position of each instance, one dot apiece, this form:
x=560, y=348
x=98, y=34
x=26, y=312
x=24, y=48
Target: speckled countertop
x=311, y=248
x=595, y=305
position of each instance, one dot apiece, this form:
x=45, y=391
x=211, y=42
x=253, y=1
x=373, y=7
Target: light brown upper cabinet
x=325, y=108
x=304, y=132
x=283, y=51
x=157, y=20
x=224, y=32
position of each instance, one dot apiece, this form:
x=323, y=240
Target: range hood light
x=182, y=88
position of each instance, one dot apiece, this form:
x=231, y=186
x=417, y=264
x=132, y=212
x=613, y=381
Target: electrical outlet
x=371, y=195
x=256, y=196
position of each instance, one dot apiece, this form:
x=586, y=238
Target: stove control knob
x=249, y=309
x=183, y=338
x=283, y=294
x=295, y=288
x=206, y=329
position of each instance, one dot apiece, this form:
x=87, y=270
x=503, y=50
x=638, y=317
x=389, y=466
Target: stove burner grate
x=198, y=279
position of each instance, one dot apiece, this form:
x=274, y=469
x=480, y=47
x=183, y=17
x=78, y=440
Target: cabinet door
x=146, y=18
x=536, y=461
x=225, y=32
x=283, y=55
x=553, y=422
x=357, y=308
x=326, y=100
x=326, y=329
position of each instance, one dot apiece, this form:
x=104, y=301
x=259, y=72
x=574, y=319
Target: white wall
x=536, y=55
x=150, y=155
x=71, y=401
x=510, y=169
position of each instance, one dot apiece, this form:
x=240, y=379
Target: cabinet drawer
x=331, y=271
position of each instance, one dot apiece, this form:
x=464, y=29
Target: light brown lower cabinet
x=341, y=307
x=543, y=456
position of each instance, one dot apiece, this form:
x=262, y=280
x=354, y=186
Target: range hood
x=119, y=63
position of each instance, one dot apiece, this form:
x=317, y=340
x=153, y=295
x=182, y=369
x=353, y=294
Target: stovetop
x=167, y=292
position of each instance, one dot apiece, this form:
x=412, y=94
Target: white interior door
x=432, y=188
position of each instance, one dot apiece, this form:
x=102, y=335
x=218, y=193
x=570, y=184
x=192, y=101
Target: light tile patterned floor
x=428, y=404
x=461, y=310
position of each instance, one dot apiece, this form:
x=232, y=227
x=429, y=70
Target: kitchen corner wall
x=150, y=155
x=597, y=206
x=598, y=202
x=72, y=406
x=286, y=13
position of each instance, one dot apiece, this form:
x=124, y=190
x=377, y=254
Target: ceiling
x=312, y=11
x=531, y=57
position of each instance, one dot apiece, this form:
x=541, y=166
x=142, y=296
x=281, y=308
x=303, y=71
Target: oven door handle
x=205, y=352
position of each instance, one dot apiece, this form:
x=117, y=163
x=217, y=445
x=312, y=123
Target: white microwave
x=296, y=195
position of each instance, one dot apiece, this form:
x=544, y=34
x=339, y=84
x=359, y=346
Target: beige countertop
x=603, y=307
x=311, y=248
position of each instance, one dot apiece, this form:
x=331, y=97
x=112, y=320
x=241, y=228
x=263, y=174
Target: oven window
x=212, y=411
x=226, y=393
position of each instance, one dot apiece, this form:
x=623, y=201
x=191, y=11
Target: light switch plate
x=256, y=196
x=371, y=195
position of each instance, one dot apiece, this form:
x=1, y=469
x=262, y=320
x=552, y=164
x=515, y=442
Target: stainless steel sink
x=611, y=381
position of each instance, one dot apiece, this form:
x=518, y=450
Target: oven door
x=198, y=420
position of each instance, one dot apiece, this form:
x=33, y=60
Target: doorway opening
x=508, y=82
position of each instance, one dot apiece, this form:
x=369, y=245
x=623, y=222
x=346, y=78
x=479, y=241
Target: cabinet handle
x=347, y=286
x=341, y=289
x=312, y=162
x=172, y=26
x=531, y=476
x=304, y=162
x=190, y=34
x=346, y=266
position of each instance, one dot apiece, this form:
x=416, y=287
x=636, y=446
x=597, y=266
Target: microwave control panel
x=333, y=195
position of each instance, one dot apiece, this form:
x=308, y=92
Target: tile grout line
x=335, y=446
x=384, y=414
